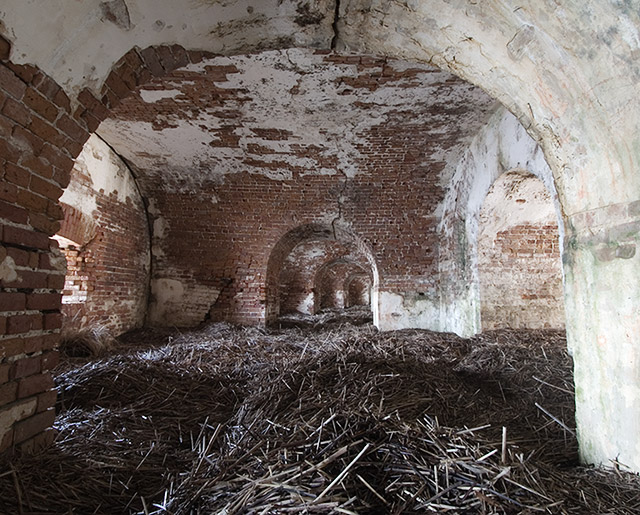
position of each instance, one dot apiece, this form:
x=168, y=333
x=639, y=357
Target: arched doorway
x=519, y=265
x=310, y=239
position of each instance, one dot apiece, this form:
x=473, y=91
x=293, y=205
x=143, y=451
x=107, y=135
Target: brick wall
x=41, y=135
x=212, y=254
x=107, y=279
x=521, y=279
x=519, y=261
x=38, y=141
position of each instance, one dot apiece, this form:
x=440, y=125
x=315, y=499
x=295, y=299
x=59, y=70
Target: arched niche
x=519, y=264
x=502, y=145
x=331, y=281
x=307, y=233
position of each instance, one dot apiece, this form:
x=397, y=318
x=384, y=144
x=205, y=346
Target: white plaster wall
x=76, y=43
x=406, y=311
x=107, y=173
x=502, y=145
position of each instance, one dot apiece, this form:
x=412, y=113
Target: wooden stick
x=503, y=457
x=342, y=474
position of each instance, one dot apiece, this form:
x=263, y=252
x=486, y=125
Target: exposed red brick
x=5, y=49
x=26, y=367
x=11, y=347
x=43, y=301
x=46, y=400
x=67, y=125
x=34, y=425
x=17, y=112
x=23, y=237
x=18, y=324
x=38, y=442
x=152, y=61
x=52, y=321
x=12, y=301
x=45, y=188
x=33, y=385
x=10, y=83
x=40, y=104
x=4, y=372
x=8, y=393
x=50, y=360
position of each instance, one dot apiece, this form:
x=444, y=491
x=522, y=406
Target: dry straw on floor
x=342, y=420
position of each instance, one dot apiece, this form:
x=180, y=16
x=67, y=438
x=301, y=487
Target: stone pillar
x=602, y=275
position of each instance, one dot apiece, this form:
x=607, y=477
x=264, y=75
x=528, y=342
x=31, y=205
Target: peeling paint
x=8, y=270
x=231, y=115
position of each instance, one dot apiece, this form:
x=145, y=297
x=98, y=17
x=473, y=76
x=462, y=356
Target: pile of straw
x=346, y=420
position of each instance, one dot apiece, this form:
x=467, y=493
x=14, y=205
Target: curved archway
x=330, y=281
x=358, y=290
x=538, y=62
x=519, y=266
x=501, y=146
x=292, y=238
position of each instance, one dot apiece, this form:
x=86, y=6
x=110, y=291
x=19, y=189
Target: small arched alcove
x=519, y=265
x=301, y=258
x=331, y=285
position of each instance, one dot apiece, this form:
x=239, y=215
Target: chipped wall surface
x=519, y=263
x=281, y=114
x=502, y=145
x=572, y=80
x=78, y=42
x=105, y=236
x=253, y=146
x=569, y=71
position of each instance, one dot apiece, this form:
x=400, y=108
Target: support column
x=602, y=275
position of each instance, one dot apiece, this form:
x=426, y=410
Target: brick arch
x=286, y=244
x=330, y=281
x=42, y=132
x=357, y=289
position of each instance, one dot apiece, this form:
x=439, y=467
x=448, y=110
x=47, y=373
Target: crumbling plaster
x=519, y=264
x=502, y=145
x=76, y=43
x=219, y=117
x=569, y=72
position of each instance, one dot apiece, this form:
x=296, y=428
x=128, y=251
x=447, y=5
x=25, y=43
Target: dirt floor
x=330, y=417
